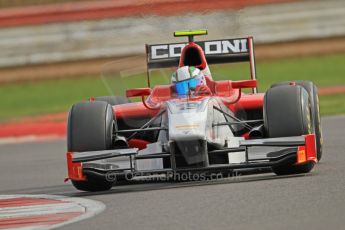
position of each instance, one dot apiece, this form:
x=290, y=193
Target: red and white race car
x=214, y=130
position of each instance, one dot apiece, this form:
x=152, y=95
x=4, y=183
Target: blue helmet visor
x=182, y=87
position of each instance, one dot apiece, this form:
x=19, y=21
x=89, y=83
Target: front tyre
x=287, y=113
x=90, y=128
x=314, y=109
x=92, y=185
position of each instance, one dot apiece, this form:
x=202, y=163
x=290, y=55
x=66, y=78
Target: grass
x=332, y=104
x=40, y=97
x=322, y=70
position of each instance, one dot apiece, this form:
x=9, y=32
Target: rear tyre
x=287, y=113
x=315, y=111
x=90, y=128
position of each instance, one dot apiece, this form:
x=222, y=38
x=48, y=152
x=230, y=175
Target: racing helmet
x=187, y=78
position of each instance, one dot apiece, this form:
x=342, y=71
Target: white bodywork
x=194, y=121
x=150, y=164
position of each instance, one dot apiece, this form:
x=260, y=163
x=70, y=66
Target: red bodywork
x=75, y=170
x=164, y=93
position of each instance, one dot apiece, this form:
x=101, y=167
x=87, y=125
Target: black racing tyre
x=315, y=112
x=90, y=128
x=114, y=100
x=287, y=113
x=93, y=184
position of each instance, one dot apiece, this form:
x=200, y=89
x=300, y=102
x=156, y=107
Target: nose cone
x=184, y=127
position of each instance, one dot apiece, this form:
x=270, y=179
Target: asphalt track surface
x=257, y=201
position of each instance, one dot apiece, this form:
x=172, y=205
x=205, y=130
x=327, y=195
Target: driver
x=189, y=78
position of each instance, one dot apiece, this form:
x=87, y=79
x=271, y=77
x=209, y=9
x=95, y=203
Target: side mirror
x=138, y=92
x=243, y=84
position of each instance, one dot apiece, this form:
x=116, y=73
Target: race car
x=219, y=130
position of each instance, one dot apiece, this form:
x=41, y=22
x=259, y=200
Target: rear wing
x=216, y=52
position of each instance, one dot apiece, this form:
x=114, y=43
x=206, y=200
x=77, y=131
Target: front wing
x=298, y=150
